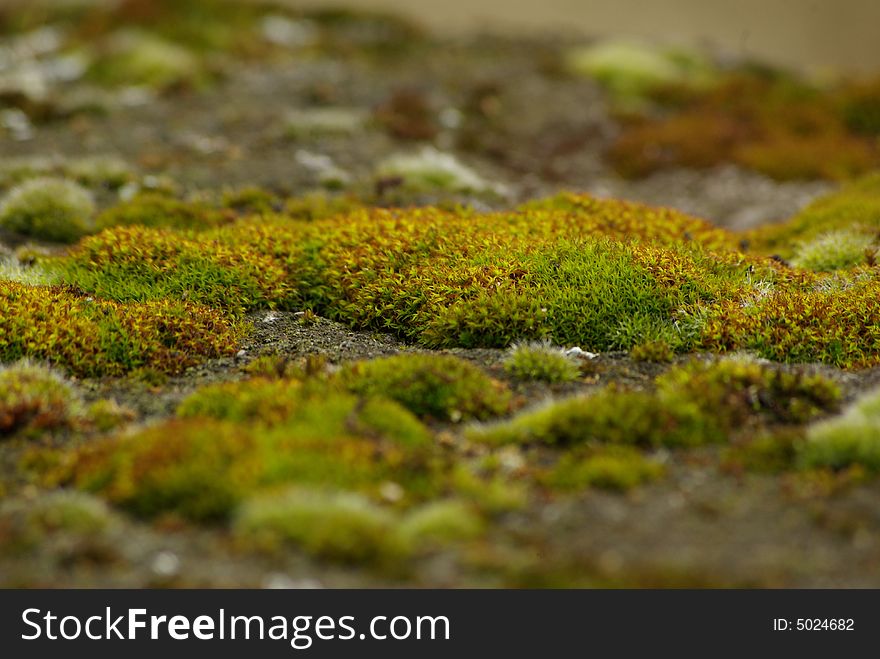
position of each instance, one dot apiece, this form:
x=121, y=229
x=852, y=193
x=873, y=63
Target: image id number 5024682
x=814, y=624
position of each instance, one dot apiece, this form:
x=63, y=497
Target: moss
x=693, y=405
x=201, y=468
x=853, y=208
x=837, y=250
x=48, y=208
x=30, y=274
x=439, y=386
x=26, y=525
x=737, y=389
x=151, y=209
x=781, y=126
x=337, y=526
x=135, y=57
x=652, y=351
x=851, y=439
x=430, y=170
x=619, y=468
x=491, y=493
x=609, y=416
x=320, y=206
x=541, y=361
x=98, y=337
x=106, y=414
x=34, y=399
x=768, y=452
x=251, y=199
x=631, y=70
x=136, y=263
x=324, y=121
x=835, y=324
x=100, y=170
x=441, y=523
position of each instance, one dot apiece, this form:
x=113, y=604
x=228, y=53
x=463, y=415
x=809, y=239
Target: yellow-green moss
x=855, y=208
x=99, y=337
x=26, y=525
x=48, y=208
x=619, y=468
x=151, y=209
x=34, y=399
x=338, y=526
x=851, y=439
x=438, y=386
x=201, y=468
x=693, y=404
x=541, y=361
x=441, y=523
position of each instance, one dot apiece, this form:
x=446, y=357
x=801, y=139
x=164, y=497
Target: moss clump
x=541, y=361
x=337, y=526
x=619, y=468
x=99, y=337
x=201, y=468
x=34, y=399
x=441, y=523
x=778, y=125
x=151, y=209
x=853, y=438
x=439, y=386
x=652, y=351
x=48, y=208
x=838, y=324
x=692, y=405
x=854, y=208
x=137, y=263
x=12, y=269
x=324, y=121
x=25, y=525
x=268, y=402
x=140, y=58
x=609, y=416
x=430, y=170
x=736, y=389
x=631, y=70
x=837, y=250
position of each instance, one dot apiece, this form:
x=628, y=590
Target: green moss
x=767, y=452
x=835, y=323
x=854, y=208
x=430, y=170
x=438, y=386
x=652, y=351
x=269, y=402
x=337, y=526
x=136, y=263
x=134, y=57
x=737, y=389
x=27, y=525
x=837, y=250
x=619, y=468
x=98, y=337
x=105, y=415
x=34, y=399
x=151, y=209
x=631, y=70
x=609, y=416
x=541, y=361
x=441, y=523
x=201, y=468
x=851, y=439
x=48, y=208
x=694, y=404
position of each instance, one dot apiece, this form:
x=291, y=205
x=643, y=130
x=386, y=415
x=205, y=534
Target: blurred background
x=843, y=35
